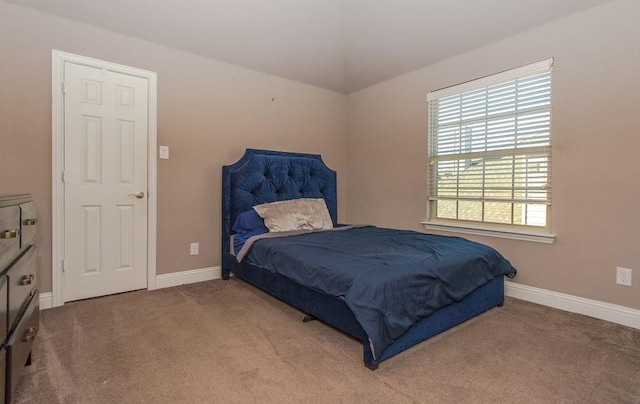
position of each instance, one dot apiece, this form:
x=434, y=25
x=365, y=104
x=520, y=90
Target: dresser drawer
x=20, y=342
x=9, y=234
x=21, y=281
x=27, y=224
x=3, y=373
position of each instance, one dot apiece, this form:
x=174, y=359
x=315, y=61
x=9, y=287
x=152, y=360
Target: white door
x=105, y=182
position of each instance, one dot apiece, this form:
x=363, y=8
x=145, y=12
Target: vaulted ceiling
x=342, y=45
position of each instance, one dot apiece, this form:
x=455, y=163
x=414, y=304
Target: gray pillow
x=295, y=214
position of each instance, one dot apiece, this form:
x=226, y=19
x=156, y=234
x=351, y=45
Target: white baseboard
x=185, y=277
x=162, y=281
x=46, y=300
x=593, y=308
x=588, y=307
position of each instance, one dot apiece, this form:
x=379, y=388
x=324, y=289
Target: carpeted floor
x=227, y=342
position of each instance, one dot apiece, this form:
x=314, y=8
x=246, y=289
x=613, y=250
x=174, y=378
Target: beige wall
x=208, y=113
x=596, y=118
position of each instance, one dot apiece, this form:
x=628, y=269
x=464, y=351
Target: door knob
x=139, y=195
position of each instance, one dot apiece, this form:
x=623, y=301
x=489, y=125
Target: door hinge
x=62, y=265
x=64, y=88
x=63, y=177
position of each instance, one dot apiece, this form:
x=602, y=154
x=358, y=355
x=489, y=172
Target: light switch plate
x=164, y=152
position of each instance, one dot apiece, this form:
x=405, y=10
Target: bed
x=262, y=177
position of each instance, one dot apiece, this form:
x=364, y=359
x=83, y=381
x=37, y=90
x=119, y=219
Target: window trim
x=512, y=74
x=479, y=228
x=491, y=231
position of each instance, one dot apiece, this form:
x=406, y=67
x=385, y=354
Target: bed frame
x=262, y=176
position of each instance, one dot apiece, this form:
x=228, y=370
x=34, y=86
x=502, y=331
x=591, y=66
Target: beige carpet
x=227, y=342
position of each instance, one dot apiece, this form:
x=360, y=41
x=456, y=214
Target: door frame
x=57, y=240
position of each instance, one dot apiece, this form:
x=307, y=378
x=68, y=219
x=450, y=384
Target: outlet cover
x=195, y=248
x=623, y=276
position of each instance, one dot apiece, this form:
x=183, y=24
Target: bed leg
x=501, y=304
x=372, y=366
x=308, y=318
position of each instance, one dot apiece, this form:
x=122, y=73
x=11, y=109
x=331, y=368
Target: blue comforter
x=389, y=278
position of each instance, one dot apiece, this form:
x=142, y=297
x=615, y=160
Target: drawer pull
x=30, y=222
x=26, y=280
x=30, y=334
x=13, y=233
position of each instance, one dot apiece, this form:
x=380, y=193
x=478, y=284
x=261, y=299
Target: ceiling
x=341, y=45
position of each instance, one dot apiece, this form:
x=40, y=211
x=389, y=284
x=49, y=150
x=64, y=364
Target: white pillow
x=295, y=214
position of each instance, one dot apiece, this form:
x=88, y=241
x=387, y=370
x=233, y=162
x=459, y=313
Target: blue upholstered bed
x=263, y=176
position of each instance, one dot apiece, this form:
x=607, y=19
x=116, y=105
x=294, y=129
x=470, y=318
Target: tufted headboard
x=262, y=176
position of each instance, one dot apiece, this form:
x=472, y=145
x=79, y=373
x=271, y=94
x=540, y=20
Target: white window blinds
x=490, y=148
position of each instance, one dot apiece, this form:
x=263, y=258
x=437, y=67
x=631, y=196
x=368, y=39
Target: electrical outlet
x=195, y=248
x=623, y=276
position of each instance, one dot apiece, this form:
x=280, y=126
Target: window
x=490, y=151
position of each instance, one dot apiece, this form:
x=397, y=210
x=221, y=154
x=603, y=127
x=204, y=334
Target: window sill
x=500, y=232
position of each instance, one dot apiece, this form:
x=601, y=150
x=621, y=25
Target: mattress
x=389, y=278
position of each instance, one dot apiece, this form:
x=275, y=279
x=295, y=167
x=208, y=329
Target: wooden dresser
x=19, y=296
